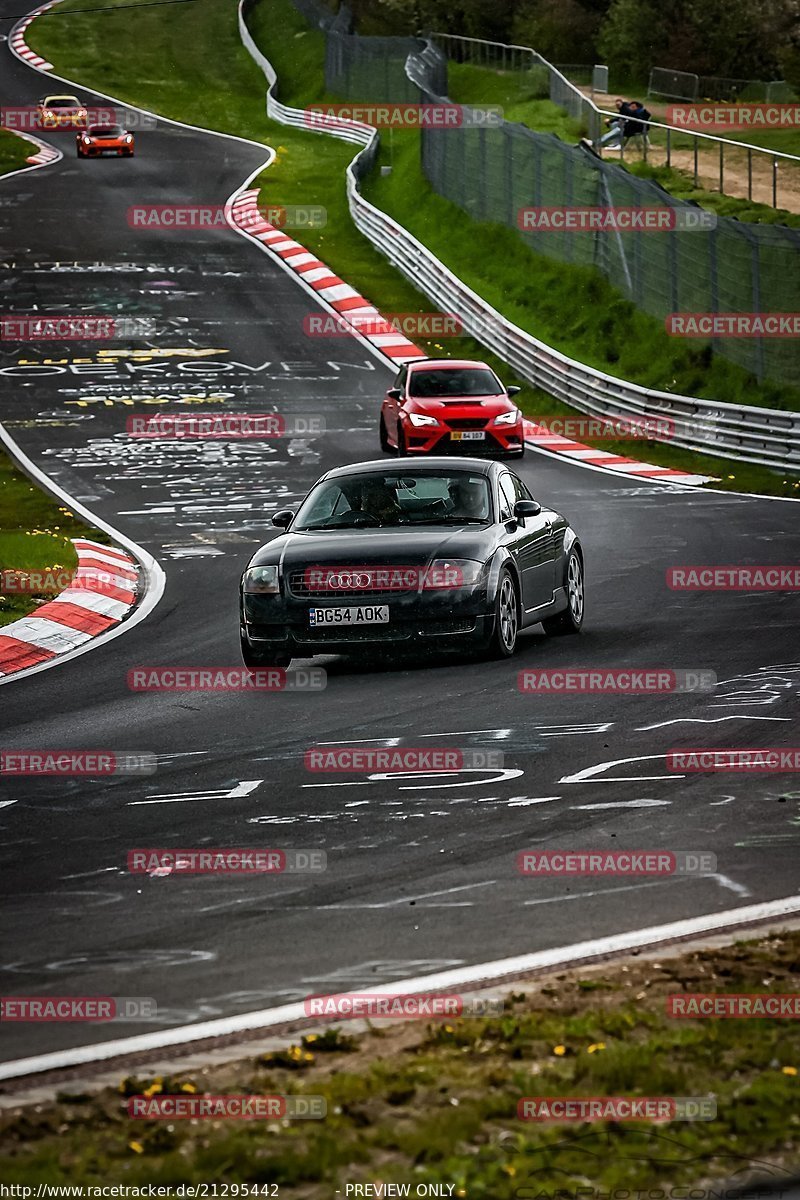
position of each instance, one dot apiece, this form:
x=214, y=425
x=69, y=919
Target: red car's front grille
x=467, y=423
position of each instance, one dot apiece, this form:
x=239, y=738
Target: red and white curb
x=540, y=438
x=351, y=307
x=16, y=39
x=44, y=154
x=105, y=589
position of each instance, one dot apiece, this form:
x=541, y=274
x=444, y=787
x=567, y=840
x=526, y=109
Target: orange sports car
x=104, y=139
x=60, y=111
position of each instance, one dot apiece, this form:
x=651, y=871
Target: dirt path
x=735, y=174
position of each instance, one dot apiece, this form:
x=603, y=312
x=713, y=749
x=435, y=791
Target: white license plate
x=471, y=435
x=109, y=151
x=363, y=614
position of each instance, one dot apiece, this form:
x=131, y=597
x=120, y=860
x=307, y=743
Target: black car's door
x=530, y=542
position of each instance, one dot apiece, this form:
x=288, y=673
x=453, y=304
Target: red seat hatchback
x=446, y=406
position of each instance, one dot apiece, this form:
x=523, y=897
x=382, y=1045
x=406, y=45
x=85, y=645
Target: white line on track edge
x=482, y=974
x=154, y=572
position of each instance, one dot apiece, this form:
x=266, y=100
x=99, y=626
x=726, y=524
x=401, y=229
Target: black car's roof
x=473, y=466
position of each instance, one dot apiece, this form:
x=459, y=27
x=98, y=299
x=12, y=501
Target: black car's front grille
x=366, y=633
x=466, y=422
x=305, y=589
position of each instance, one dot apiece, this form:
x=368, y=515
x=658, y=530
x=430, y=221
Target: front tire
x=385, y=447
x=269, y=654
x=571, y=620
x=503, y=641
x=402, y=449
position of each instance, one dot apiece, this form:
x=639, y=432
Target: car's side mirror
x=283, y=518
x=513, y=390
x=394, y=393
x=527, y=508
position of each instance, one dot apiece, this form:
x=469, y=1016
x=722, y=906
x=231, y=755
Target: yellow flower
x=559, y=1050
x=789, y=1070
x=188, y=1087
x=137, y=1146
x=595, y=1046
x=509, y=1170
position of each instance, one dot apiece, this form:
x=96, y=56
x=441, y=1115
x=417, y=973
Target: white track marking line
x=475, y=976
x=153, y=572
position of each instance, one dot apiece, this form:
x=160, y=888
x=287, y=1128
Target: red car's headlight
x=508, y=418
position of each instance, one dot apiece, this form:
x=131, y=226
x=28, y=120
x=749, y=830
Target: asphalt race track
x=421, y=871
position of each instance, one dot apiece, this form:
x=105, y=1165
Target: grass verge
x=14, y=151
x=575, y=311
x=435, y=1103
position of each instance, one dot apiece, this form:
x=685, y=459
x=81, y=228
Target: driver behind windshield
x=379, y=500
x=469, y=498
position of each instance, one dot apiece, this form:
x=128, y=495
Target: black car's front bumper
x=447, y=618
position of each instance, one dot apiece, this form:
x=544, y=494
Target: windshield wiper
x=452, y=521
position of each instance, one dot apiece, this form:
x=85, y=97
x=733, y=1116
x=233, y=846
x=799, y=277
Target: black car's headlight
x=261, y=581
x=444, y=573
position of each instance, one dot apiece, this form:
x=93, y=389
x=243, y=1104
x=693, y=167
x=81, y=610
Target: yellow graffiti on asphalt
x=110, y=401
x=106, y=356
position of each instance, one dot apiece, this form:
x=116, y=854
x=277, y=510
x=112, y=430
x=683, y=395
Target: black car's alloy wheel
x=506, y=618
x=571, y=620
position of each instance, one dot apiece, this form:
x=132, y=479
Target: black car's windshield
x=442, y=382
x=395, y=498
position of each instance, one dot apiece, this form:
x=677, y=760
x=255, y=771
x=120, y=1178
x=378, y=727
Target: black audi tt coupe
x=439, y=553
